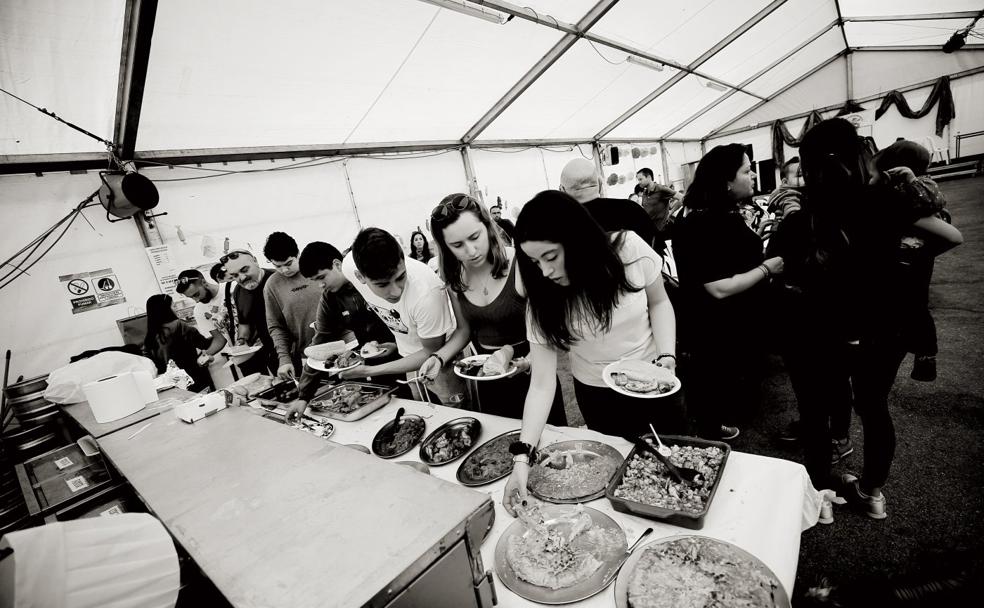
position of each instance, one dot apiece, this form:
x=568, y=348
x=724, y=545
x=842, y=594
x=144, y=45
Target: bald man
x=580, y=180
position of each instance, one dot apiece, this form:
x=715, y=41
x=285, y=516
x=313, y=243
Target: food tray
x=283, y=392
x=685, y=519
x=380, y=450
x=585, y=450
x=506, y=439
x=381, y=395
x=469, y=426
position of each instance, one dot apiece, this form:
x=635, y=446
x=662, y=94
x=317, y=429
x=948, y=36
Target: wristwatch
x=520, y=448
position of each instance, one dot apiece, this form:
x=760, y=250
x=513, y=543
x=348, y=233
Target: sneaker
x=924, y=368
x=791, y=432
x=729, y=432
x=840, y=448
x=872, y=506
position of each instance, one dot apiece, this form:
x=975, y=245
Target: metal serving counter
x=275, y=516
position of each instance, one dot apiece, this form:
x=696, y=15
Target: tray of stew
x=351, y=400
x=450, y=441
x=397, y=439
x=573, y=471
x=489, y=462
x=643, y=486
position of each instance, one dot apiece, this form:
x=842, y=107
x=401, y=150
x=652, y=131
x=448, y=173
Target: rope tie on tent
x=110, y=145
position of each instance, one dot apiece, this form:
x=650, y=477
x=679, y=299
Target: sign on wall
x=92, y=290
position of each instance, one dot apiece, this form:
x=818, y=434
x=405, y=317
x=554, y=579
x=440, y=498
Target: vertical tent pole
x=351, y=193
x=850, y=74
x=473, y=188
x=596, y=149
x=665, y=162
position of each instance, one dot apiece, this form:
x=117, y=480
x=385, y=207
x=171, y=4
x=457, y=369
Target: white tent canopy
x=251, y=76
x=318, y=117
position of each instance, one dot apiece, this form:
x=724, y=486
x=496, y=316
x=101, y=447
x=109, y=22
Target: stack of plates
x=13, y=510
x=27, y=400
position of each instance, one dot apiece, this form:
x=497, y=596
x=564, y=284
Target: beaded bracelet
x=765, y=270
x=439, y=358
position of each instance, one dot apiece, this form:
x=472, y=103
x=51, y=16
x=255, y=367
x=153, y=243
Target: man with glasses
x=211, y=316
x=241, y=266
x=291, y=304
x=408, y=297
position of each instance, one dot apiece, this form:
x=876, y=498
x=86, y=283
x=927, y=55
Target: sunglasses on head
x=232, y=255
x=186, y=280
x=459, y=203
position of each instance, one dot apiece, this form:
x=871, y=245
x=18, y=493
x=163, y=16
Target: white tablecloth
x=762, y=504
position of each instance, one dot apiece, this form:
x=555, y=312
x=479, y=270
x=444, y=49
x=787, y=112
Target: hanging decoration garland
x=941, y=93
x=781, y=134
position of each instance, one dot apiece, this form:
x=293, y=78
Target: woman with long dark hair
x=723, y=276
x=171, y=339
x=419, y=247
x=842, y=327
x=480, y=271
x=600, y=297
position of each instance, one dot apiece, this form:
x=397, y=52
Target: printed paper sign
x=77, y=483
x=114, y=510
x=63, y=462
x=92, y=290
x=167, y=278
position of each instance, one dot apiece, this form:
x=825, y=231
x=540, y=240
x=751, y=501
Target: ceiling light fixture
x=646, y=63
x=710, y=84
x=473, y=11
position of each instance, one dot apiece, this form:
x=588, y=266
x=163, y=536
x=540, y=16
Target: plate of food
x=350, y=401
x=691, y=570
x=573, y=471
x=397, y=439
x=640, y=379
x=554, y=554
x=484, y=367
x=489, y=462
x=371, y=350
x=450, y=441
x=337, y=363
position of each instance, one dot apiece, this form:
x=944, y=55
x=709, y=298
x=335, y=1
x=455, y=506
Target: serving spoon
x=683, y=475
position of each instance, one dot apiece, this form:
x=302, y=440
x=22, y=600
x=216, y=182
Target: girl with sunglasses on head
x=171, y=339
x=599, y=296
x=480, y=272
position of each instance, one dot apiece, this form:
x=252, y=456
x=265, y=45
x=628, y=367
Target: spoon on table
x=396, y=422
x=684, y=475
x=625, y=556
x=665, y=451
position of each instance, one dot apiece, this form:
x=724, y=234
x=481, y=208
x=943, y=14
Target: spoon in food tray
x=683, y=475
x=421, y=382
x=625, y=556
x=665, y=451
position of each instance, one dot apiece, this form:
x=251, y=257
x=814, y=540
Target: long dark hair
x=447, y=212
x=832, y=159
x=709, y=189
x=425, y=253
x=591, y=261
x=158, y=313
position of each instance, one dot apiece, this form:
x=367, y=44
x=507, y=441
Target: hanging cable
x=47, y=112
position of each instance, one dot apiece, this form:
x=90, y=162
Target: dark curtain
x=781, y=134
x=850, y=107
x=941, y=93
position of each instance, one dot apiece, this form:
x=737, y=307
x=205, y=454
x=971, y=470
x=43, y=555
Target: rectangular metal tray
x=282, y=392
x=384, y=397
x=685, y=519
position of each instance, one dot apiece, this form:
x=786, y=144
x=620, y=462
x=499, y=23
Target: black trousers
x=918, y=327
x=611, y=413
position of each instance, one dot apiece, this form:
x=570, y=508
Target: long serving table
x=212, y=482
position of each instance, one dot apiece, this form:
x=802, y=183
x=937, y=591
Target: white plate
x=781, y=599
x=320, y=366
x=379, y=353
x=481, y=359
x=239, y=351
x=638, y=366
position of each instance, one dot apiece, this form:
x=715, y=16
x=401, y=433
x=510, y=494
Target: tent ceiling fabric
x=306, y=73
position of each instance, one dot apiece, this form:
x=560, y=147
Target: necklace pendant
x=485, y=290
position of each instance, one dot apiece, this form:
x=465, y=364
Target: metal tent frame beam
x=753, y=78
x=541, y=66
x=140, y=16
x=714, y=50
x=919, y=17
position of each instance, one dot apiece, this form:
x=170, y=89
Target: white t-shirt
x=631, y=335
x=212, y=315
x=422, y=312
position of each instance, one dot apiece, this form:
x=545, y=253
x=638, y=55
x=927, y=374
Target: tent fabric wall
x=38, y=325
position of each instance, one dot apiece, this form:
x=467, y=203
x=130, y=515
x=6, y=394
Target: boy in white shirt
x=409, y=298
